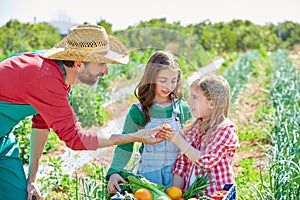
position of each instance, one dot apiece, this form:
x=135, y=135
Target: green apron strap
x=40, y=52
x=62, y=68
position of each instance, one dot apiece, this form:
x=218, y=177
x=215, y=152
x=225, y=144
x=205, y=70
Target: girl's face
x=166, y=82
x=201, y=107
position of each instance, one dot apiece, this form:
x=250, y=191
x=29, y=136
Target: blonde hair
x=216, y=89
x=145, y=90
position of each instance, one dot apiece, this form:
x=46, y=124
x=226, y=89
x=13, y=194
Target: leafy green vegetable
x=198, y=186
x=157, y=190
x=126, y=173
x=125, y=187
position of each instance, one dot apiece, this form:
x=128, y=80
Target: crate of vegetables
x=139, y=188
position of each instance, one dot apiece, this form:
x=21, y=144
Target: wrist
x=177, y=139
x=139, y=136
x=31, y=179
x=182, y=144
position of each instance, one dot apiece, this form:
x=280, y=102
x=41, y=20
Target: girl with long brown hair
x=159, y=95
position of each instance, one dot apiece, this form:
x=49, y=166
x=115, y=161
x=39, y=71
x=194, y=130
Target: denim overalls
x=157, y=160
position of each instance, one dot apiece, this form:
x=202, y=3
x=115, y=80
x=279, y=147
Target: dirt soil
x=244, y=114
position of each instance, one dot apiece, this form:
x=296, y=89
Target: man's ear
x=77, y=64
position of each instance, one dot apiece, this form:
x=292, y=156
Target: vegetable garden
x=265, y=104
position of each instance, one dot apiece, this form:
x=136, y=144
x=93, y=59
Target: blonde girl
x=210, y=140
x=159, y=95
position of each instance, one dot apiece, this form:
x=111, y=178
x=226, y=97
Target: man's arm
x=144, y=136
x=37, y=143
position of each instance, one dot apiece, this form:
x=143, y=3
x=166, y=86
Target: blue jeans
x=162, y=176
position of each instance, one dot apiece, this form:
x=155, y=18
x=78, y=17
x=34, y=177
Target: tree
x=18, y=37
x=106, y=25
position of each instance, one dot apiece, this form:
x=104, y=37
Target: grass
x=247, y=177
x=254, y=133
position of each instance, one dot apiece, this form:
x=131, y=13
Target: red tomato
x=218, y=195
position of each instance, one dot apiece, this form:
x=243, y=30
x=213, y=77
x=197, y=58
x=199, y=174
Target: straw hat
x=89, y=43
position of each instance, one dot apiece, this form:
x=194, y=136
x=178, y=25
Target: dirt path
x=244, y=115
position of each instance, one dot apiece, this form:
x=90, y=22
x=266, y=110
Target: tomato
x=218, y=195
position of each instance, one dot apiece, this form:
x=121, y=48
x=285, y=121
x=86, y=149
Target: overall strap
x=139, y=105
x=176, y=110
x=175, y=106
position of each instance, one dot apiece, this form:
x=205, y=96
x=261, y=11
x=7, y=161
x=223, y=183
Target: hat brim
x=110, y=57
x=117, y=53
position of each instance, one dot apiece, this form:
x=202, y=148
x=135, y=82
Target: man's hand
x=33, y=192
x=113, y=183
x=148, y=136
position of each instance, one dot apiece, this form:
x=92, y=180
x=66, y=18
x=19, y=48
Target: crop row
x=284, y=157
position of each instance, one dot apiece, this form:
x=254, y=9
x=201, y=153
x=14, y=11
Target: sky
x=124, y=13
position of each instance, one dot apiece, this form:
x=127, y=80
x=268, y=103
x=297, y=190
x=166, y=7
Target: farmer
x=38, y=85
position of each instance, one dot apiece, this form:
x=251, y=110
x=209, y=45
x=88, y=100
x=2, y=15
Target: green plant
x=87, y=104
x=198, y=186
x=88, y=182
x=92, y=186
x=241, y=72
x=137, y=182
x=284, y=165
x=254, y=133
x=22, y=131
x=246, y=179
x=57, y=183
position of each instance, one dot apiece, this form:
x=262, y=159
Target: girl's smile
x=166, y=82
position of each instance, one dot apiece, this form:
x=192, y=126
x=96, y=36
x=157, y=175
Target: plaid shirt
x=216, y=157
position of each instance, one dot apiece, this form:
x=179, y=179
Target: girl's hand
x=113, y=183
x=33, y=191
x=167, y=132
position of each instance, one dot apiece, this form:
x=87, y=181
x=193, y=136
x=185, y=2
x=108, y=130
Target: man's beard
x=87, y=78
